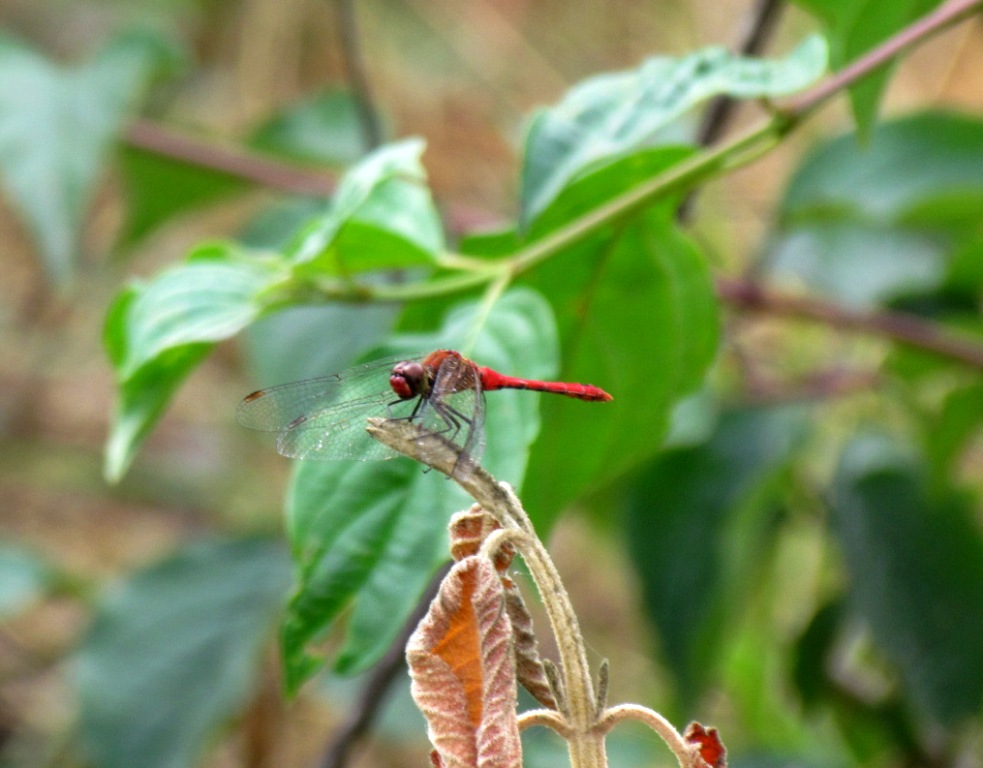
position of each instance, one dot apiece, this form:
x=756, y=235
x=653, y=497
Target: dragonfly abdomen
x=492, y=380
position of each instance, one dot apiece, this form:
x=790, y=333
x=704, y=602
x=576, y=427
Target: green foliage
x=853, y=28
x=158, y=332
x=686, y=511
x=608, y=115
x=24, y=578
x=916, y=568
x=324, y=129
x=784, y=555
x=58, y=126
x=173, y=651
x=852, y=231
x=375, y=531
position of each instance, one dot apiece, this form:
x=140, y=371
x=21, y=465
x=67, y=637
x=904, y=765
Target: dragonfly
x=443, y=391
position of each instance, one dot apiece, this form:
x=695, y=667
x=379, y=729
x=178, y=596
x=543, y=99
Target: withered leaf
x=529, y=666
x=711, y=747
x=462, y=667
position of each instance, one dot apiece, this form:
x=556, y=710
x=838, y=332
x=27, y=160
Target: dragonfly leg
x=413, y=413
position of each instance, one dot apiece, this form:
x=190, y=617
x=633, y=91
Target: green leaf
x=947, y=436
x=855, y=27
x=638, y=317
x=373, y=532
x=304, y=342
x=685, y=511
x=157, y=333
x=57, y=125
x=159, y=188
x=323, y=129
x=916, y=574
x=173, y=652
x=869, y=223
x=611, y=114
x=24, y=578
x=382, y=216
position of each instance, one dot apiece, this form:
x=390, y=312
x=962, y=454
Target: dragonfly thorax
x=409, y=379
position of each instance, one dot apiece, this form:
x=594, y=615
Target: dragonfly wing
x=455, y=408
x=325, y=418
x=278, y=408
x=336, y=431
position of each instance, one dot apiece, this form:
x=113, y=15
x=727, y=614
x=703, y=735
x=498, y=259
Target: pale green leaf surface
x=612, y=114
x=24, y=577
x=57, y=125
x=199, y=301
x=382, y=215
x=158, y=332
x=866, y=223
x=174, y=650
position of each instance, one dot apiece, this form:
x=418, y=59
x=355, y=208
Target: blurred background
x=465, y=76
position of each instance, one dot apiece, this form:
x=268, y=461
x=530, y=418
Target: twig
x=377, y=686
x=586, y=747
x=903, y=328
x=357, y=77
x=685, y=753
x=246, y=165
x=721, y=109
x=762, y=23
x=916, y=32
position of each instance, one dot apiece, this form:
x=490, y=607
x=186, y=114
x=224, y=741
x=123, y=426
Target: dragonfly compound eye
x=407, y=379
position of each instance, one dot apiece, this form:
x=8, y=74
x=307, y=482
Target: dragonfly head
x=409, y=379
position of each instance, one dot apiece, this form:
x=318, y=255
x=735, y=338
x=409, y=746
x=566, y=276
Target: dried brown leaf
x=711, y=748
x=463, y=671
x=528, y=664
x=468, y=531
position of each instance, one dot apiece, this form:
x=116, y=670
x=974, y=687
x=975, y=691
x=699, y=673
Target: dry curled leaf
x=528, y=664
x=468, y=531
x=462, y=667
x=708, y=740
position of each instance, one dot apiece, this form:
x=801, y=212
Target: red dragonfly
x=324, y=418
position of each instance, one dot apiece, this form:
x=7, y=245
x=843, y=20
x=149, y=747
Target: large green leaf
x=637, y=316
x=159, y=187
x=916, y=574
x=173, y=652
x=697, y=527
x=868, y=223
x=158, y=332
x=382, y=216
x=57, y=125
x=373, y=532
x=609, y=115
x=853, y=28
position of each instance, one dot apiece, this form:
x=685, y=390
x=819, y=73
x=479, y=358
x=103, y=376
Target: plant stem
x=586, y=744
x=899, y=327
x=357, y=78
x=917, y=32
